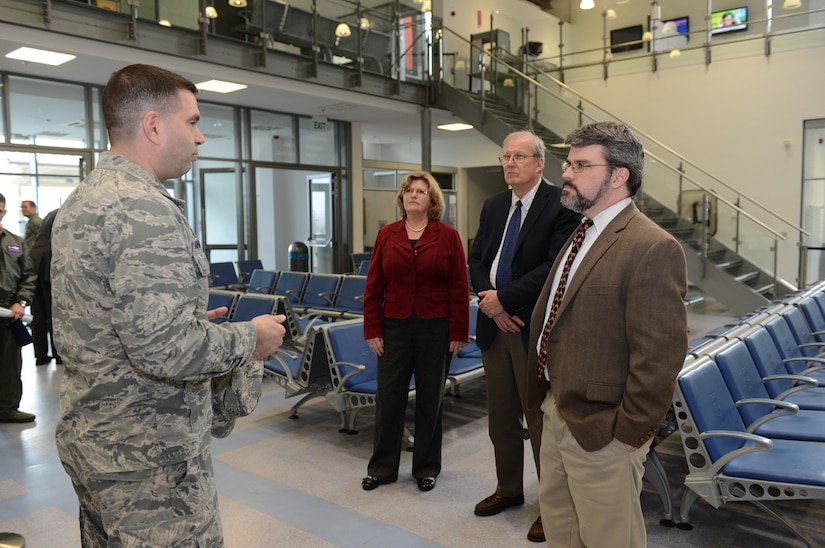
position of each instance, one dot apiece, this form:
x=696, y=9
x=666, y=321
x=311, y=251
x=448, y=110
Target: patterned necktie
x=504, y=274
x=578, y=239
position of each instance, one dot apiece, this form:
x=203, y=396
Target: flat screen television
x=671, y=34
x=626, y=39
x=729, y=20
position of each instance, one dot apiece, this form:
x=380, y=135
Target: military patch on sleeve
x=14, y=248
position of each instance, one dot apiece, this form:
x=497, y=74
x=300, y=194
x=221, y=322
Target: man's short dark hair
x=133, y=91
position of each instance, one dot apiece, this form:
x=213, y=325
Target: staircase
x=720, y=272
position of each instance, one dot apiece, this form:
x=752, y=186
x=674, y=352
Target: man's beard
x=571, y=198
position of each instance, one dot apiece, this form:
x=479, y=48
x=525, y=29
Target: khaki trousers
x=589, y=498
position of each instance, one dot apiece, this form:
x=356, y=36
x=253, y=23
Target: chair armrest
x=761, y=443
x=358, y=368
x=328, y=296
x=785, y=408
x=803, y=383
x=278, y=356
x=820, y=361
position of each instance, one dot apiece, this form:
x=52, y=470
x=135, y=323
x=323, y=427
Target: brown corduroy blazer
x=620, y=337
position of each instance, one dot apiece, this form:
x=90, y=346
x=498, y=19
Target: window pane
x=379, y=178
x=47, y=113
x=99, y=129
x=2, y=112
x=318, y=142
x=273, y=138
x=217, y=124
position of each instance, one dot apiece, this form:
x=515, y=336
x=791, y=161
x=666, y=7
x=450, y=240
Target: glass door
x=321, y=223
x=294, y=207
x=45, y=176
x=813, y=201
x=221, y=214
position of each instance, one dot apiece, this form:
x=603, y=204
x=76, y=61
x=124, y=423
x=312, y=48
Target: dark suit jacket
x=41, y=251
x=620, y=336
x=430, y=279
x=542, y=235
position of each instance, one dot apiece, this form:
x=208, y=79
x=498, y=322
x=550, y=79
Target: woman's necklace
x=415, y=229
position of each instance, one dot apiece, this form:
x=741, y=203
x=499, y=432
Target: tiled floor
x=297, y=482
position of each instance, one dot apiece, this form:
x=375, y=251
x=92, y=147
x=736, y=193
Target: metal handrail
x=638, y=132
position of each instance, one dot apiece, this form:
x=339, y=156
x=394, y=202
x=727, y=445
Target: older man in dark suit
x=608, y=337
x=519, y=234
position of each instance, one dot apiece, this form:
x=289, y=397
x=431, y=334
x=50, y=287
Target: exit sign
x=319, y=124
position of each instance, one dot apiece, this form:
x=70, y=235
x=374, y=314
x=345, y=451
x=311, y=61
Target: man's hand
x=17, y=311
x=508, y=323
x=216, y=313
x=489, y=304
x=269, y=334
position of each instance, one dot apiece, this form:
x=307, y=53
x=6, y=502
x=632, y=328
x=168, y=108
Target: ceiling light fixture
x=365, y=23
x=211, y=12
x=674, y=53
x=587, y=4
x=669, y=28
x=219, y=86
x=237, y=3
x=456, y=126
x=791, y=4
x=610, y=14
x=342, y=30
x=42, y=56
x=164, y=23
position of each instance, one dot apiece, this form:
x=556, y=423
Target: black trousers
x=42, y=320
x=420, y=347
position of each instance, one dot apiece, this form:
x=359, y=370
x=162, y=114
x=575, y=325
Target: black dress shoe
x=43, y=361
x=426, y=484
x=369, y=483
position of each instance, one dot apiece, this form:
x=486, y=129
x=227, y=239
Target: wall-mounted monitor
x=626, y=39
x=670, y=34
x=729, y=20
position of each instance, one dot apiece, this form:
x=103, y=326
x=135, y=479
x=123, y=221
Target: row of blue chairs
x=225, y=275
x=750, y=409
x=338, y=364
x=326, y=295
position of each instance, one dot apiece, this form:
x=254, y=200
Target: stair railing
x=743, y=224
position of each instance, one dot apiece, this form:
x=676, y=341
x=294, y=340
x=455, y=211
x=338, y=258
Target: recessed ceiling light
x=458, y=126
x=219, y=86
x=42, y=56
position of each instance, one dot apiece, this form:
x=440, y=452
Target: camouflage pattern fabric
x=174, y=506
x=130, y=289
x=234, y=395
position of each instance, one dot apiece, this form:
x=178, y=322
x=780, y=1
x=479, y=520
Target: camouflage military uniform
x=17, y=278
x=130, y=288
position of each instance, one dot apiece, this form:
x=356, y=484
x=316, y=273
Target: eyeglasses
x=578, y=167
x=517, y=158
x=417, y=191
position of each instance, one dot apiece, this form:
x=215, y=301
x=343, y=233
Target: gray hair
x=538, y=144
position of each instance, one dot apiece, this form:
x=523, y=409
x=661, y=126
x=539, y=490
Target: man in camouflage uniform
x=17, y=277
x=29, y=211
x=130, y=289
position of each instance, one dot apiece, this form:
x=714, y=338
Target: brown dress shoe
x=494, y=504
x=536, y=533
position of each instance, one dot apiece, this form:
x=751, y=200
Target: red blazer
x=430, y=279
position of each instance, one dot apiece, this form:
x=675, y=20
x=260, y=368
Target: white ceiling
x=384, y=120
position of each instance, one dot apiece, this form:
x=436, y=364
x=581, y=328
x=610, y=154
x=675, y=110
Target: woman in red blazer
x=416, y=313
